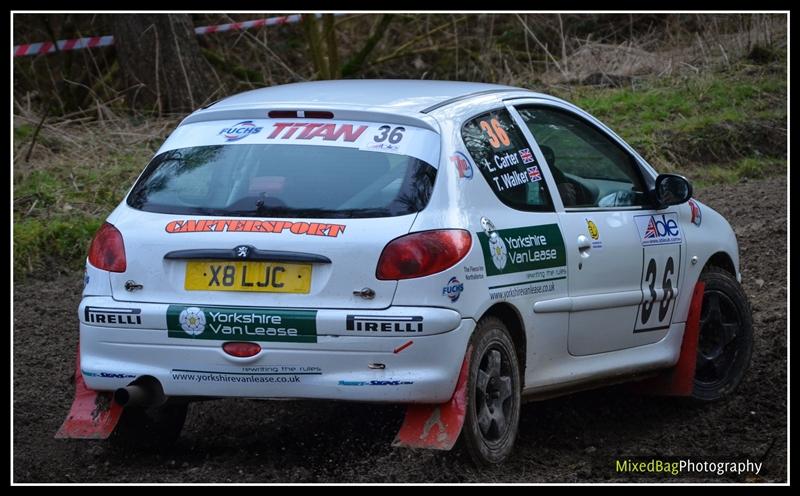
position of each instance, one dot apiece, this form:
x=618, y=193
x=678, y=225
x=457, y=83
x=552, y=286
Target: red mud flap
x=679, y=380
x=436, y=426
x=93, y=414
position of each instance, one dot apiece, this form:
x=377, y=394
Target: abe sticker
x=659, y=229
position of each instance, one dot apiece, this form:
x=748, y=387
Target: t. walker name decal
x=264, y=226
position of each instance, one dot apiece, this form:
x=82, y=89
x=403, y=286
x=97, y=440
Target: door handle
x=584, y=245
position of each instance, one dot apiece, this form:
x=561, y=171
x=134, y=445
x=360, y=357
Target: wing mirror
x=671, y=189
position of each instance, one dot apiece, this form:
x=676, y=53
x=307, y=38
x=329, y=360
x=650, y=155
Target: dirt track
x=571, y=439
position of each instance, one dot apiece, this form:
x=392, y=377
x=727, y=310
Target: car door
x=519, y=236
x=623, y=257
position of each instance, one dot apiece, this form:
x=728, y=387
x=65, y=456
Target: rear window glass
x=283, y=180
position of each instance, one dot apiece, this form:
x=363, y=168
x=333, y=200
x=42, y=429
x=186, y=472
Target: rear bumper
x=337, y=366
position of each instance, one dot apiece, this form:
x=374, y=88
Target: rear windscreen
x=283, y=180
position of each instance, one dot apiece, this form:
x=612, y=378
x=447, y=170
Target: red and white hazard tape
x=63, y=45
x=100, y=41
x=234, y=26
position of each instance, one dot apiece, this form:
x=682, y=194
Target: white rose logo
x=193, y=321
x=498, y=250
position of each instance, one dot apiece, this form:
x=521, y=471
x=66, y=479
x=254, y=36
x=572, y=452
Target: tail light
x=423, y=253
x=107, y=251
x=241, y=350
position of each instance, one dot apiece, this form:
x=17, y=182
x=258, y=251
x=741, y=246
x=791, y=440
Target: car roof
x=402, y=96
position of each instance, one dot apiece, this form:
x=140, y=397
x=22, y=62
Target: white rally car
x=458, y=247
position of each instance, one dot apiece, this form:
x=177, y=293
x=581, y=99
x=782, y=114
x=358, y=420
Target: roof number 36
x=395, y=135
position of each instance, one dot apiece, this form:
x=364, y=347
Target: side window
x=590, y=169
x=506, y=161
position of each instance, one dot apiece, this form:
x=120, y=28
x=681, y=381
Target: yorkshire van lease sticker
x=242, y=324
x=523, y=249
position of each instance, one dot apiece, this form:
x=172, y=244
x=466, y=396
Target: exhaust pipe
x=144, y=394
x=132, y=396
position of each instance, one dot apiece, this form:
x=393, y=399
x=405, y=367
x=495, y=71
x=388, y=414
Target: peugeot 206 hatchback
x=457, y=247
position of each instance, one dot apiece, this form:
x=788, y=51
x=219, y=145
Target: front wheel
x=725, y=343
x=493, y=394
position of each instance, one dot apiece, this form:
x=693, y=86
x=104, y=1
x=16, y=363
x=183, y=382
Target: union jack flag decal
x=651, y=229
x=526, y=155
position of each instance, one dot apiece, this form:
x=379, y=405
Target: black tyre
x=726, y=336
x=493, y=394
x=149, y=429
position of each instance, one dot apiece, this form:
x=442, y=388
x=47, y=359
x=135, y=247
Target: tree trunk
x=161, y=62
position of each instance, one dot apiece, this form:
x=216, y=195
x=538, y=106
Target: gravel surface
x=569, y=439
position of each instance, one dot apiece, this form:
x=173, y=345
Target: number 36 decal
x=659, y=288
x=394, y=136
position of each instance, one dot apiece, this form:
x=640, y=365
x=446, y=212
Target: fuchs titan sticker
x=261, y=226
x=658, y=229
x=117, y=317
x=248, y=324
x=383, y=137
x=240, y=130
x=310, y=130
x=374, y=323
x=523, y=249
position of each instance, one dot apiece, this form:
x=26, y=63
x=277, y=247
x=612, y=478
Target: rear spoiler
x=218, y=113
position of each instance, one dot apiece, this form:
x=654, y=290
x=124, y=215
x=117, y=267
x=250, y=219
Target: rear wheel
x=726, y=336
x=149, y=429
x=493, y=394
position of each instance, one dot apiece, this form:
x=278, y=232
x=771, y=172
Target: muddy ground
x=569, y=439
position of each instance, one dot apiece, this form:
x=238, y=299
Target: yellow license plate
x=269, y=277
